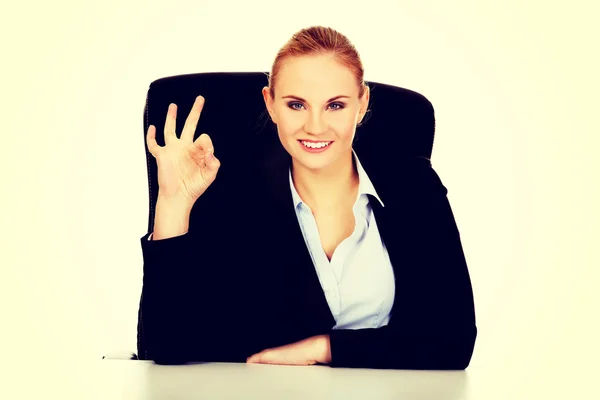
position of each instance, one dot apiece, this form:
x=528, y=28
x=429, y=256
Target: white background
x=514, y=86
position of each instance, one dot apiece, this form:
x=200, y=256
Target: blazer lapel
x=388, y=189
x=397, y=221
x=308, y=307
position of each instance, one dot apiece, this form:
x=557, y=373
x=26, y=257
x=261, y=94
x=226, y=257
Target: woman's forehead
x=309, y=66
x=306, y=76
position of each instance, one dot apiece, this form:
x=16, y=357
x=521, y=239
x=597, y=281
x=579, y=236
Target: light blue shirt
x=358, y=282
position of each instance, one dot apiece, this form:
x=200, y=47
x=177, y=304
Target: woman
x=327, y=270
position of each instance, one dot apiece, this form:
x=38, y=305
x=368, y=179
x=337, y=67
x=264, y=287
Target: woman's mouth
x=315, y=147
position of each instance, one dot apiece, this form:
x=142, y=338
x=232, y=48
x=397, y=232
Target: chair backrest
x=400, y=124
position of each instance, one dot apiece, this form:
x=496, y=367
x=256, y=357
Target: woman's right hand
x=186, y=168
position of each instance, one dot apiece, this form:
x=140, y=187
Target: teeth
x=316, y=145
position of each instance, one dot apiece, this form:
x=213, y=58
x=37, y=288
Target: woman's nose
x=315, y=124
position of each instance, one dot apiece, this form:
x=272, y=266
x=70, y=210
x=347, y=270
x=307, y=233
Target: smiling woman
x=347, y=274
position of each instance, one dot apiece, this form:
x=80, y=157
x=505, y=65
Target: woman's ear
x=268, y=102
x=364, y=104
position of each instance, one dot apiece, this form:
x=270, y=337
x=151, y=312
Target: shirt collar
x=365, y=186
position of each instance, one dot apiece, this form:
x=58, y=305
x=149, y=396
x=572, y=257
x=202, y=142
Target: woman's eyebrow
x=301, y=99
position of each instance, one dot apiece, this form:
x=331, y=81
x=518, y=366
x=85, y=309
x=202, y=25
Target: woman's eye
x=339, y=106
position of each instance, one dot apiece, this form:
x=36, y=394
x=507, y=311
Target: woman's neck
x=327, y=188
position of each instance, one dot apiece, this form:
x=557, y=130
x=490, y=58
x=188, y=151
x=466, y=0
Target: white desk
x=69, y=378
x=134, y=380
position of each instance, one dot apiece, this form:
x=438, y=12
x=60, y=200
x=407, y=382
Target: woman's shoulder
x=421, y=170
x=413, y=177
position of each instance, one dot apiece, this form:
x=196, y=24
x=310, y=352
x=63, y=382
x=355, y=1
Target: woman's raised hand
x=186, y=168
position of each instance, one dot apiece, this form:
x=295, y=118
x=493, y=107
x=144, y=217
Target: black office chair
x=399, y=125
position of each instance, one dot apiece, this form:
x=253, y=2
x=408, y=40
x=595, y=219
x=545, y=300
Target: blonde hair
x=320, y=40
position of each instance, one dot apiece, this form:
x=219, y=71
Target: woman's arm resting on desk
x=387, y=347
x=433, y=321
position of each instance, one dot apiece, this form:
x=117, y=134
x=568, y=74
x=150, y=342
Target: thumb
x=212, y=161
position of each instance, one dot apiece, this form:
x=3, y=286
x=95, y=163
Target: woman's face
x=306, y=107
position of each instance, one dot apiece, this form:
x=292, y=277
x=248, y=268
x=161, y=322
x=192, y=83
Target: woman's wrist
x=172, y=217
x=323, y=349
x=179, y=201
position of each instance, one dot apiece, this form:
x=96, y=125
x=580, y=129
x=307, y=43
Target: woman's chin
x=313, y=163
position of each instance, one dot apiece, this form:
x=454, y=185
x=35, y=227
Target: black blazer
x=242, y=279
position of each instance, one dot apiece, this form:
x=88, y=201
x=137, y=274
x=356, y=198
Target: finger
x=192, y=120
x=205, y=144
x=170, y=123
x=253, y=359
x=263, y=357
x=151, y=140
x=270, y=357
x=212, y=162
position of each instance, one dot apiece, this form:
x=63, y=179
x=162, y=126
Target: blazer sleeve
x=191, y=300
x=432, y=326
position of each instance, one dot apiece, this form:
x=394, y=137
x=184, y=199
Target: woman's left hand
x=305, y=352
